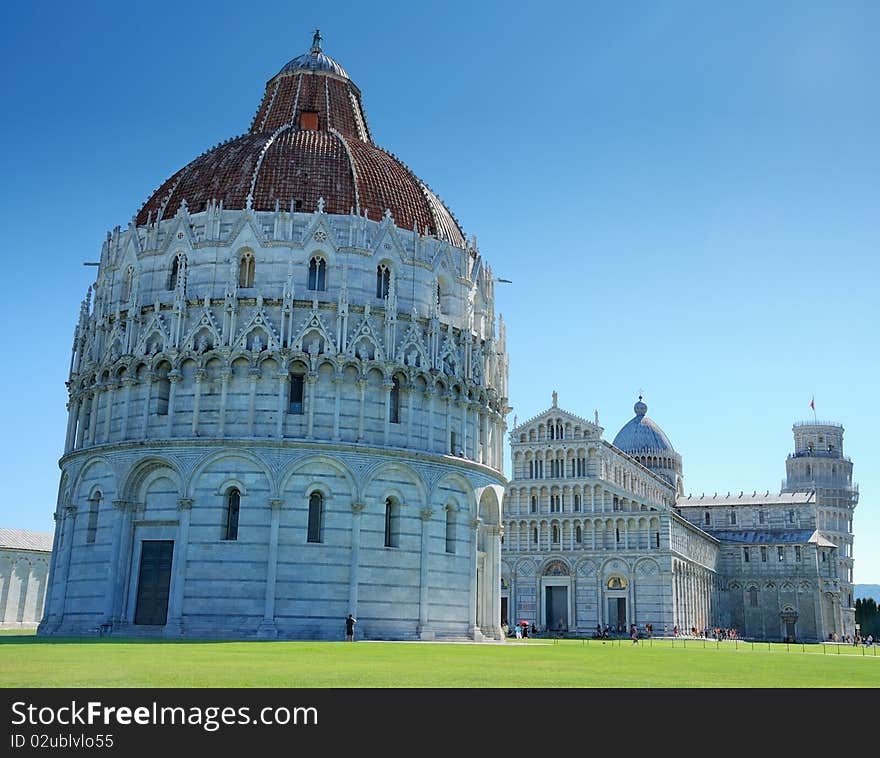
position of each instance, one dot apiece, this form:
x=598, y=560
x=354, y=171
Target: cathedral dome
x=641, y=433
x=309, y=142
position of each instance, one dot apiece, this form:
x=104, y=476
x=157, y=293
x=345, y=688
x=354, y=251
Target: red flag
x=813, y=403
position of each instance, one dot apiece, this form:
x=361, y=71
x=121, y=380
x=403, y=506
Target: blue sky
x=684, y=194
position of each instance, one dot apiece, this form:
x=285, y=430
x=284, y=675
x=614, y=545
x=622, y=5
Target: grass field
x=30, y=661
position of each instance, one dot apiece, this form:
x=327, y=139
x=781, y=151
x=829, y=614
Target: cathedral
x=287, y=397
x=599, y=534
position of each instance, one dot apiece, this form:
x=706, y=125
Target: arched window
x=246, y=270
x=577, y=502
x=392, y=523
x=535, y=535
x=177, y=275
x=295, y=403
x=92, y=529
x=450, y=530
x=733, y=517
x=394, y=401
x=753, y=596
x=555, y=534
x=578, y=535
x=163, y=391
x=707, y=519
x=317, y=274
x=233, y=504
x=316, y=517
x=533, y=505
x=127, y=278
x=383, y=281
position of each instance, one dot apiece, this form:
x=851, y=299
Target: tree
x=867, y=617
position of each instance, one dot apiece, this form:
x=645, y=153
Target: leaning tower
x=287, y=397
x=818, y=464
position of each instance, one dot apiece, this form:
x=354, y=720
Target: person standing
x=349, y=628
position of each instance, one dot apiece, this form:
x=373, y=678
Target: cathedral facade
x=287, y=397
x=600, y=534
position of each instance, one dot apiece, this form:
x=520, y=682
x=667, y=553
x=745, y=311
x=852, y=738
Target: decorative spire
x=555, y=398
x=640, y=408
x=316, y=42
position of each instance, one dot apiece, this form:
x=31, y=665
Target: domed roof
x=314, y=60
x=641, y=433
x=308, y=141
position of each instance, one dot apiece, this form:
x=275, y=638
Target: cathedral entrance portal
x=617, y=613
x=789, y=619
x=556, y=604
x=154, y=582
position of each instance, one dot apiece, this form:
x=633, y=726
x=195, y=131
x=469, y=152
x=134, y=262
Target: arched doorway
x=486, y=587
x=616, y=589
x=556, y=598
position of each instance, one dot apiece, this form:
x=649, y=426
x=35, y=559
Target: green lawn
x=30, y=661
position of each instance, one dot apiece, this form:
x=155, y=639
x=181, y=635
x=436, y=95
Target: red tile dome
x=308, y=140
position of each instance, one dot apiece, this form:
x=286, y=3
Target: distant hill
x=867, y=590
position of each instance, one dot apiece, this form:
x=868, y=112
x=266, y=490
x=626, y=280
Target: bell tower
x=818, y=464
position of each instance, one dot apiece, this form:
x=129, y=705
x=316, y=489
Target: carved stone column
x=72, y=419
x=267, y=627
x=83, y=404
x=337, y=403
x=69, y=527
x=473, y=629
x=387, y=386
x=118, y=562
x=199, y=377
x=49, y=622
x=109, y=393
x=447, y=445
x=362, y=386
x=283, y=393
x=311, y=383
x=174, y=625
x=410, y=389
x=128, y=383
x=492, y=583
x=253, y=375
x=430, y=394
x=424, y=632
x=225, y=376
x=174, y=378
x=149, y=378
x=93, y=415
x=356, y=512
x=463, y=404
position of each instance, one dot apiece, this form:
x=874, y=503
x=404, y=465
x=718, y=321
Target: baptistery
x=287, y=397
